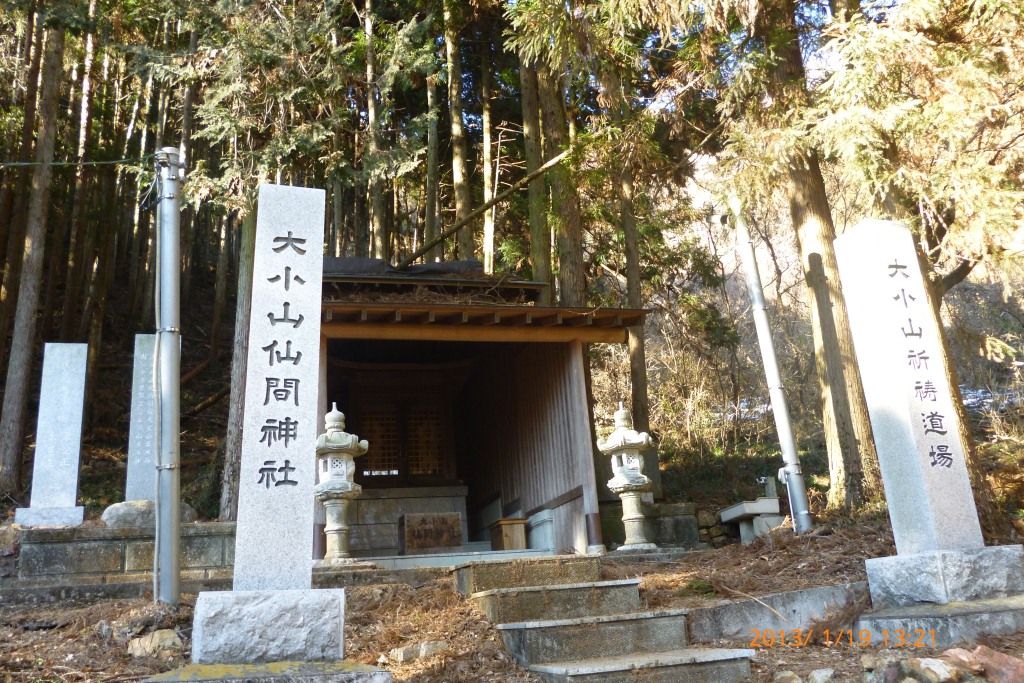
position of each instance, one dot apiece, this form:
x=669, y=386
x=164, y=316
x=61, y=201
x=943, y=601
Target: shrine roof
x=440, y=321
x=367, y=279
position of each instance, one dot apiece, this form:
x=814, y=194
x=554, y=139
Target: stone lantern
x=336, y=451
x=629, y=481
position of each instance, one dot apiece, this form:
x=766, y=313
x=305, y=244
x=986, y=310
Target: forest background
x=413, y=113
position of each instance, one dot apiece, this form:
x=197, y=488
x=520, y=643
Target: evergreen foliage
x=911, y=109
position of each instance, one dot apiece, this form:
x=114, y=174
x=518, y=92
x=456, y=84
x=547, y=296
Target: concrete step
x=484, y=576
x=941, y=626
x=593, y=598
x=541, y=642
x=685, y=665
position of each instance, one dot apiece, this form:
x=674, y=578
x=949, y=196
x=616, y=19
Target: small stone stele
x=58, y=440
x=140, y=479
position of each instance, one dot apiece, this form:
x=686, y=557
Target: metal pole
x=791, y=475
x=168, y=347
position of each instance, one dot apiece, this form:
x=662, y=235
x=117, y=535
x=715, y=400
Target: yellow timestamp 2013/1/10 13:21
x=863, y=638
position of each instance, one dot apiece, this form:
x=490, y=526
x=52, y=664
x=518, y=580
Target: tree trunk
x=487, y=163
x=137, y=239
x=540, y=234
x=186, y=152
x=33, y=48
x=220, y=288
x=239, y=356
x=634, y=293
x=634, y=299
x=460, y=175
x=853, y=462
x=375, y=187
x=21, y=183
x=337, y=217
x=101, y=284
x=571, y=279
x=72, y=291
x=430, y=222
x=12, y=421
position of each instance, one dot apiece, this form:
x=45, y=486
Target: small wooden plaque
x=419, y=532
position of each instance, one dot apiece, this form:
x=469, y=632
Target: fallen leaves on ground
x=779, y=562
x=379, y=618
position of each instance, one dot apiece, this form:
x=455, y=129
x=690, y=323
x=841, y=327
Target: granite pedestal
x=278, y=672
x=248, y=627
x=945, y=576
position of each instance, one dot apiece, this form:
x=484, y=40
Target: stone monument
x=628, y=479
x=336, y=451
x=272, y=615
x=139, y=507
x=58, y=439
x=140, y=483
x=941, y=557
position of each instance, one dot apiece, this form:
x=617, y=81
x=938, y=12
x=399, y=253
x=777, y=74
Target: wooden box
x=508, y=534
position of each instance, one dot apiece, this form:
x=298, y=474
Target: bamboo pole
x=458, y=225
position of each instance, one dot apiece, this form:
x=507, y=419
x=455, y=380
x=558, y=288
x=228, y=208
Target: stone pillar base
x=283, y=672
x=33, y=516
x=251, y=627
x=636, y=546
x=945, y=576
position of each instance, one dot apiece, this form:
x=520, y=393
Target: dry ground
x=87, y=641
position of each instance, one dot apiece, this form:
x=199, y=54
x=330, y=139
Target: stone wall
x=711, y=530
x=208, y=551
x=375, y=515
x=669, y=525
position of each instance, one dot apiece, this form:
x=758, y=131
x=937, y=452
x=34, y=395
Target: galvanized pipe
x=168, y=358
x=790, y=474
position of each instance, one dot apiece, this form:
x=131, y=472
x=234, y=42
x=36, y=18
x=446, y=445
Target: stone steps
x=564, y=624
x=505, y=605
x=684, y=665
x=541, y=642
x=484, y=576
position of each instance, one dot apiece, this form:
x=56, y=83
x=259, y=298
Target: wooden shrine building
x=473, y=399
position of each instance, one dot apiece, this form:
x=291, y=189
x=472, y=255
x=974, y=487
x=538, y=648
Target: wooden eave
x=469, y=322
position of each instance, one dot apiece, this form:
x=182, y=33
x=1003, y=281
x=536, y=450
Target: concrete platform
x=504, y=605
x=684, y=665
x=278, y=672
x=943, y=626
x=456, y=558
x=777, y=611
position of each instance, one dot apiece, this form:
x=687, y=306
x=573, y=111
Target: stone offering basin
x=749, y=509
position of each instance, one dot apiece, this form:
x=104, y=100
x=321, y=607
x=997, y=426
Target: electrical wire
x=108, y=162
